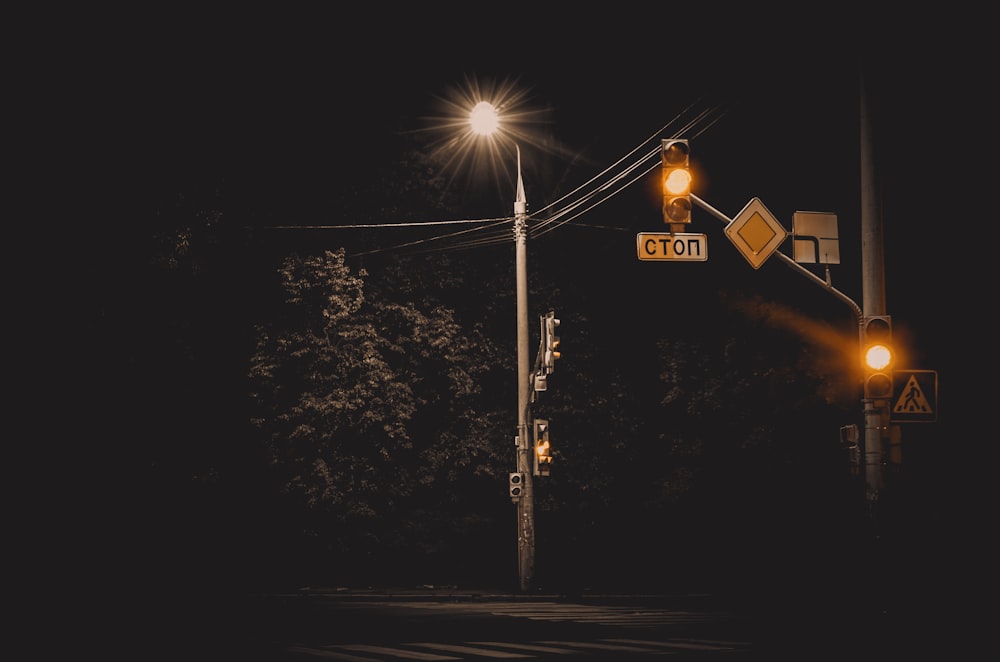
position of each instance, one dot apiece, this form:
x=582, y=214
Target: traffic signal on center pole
x=543, y=448
x=550, y=349
x=877, y=356
x=676, y=179
x=516, y=485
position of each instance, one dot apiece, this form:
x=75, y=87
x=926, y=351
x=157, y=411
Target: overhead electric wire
x=493, y=223
x=554, y=220
x=345, y=226
x=653, y=136
x=540, y=230
x=585, y=202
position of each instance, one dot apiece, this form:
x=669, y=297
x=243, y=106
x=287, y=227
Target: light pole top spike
x=520, y=201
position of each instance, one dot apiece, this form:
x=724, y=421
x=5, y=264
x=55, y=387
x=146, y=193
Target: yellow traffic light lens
x=879, y=386
x=677, y=182
x=679, y=210
x=878, y=357
x=675, y=153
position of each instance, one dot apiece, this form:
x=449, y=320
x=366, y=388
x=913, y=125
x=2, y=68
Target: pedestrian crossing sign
x=914, y=396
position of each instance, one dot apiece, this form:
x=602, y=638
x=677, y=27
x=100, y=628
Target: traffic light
x=550, y=349
x=516, y=484
x=849, y=440
x=849, y=435
x=877, y=356
x=676, y=181
x=543, y=449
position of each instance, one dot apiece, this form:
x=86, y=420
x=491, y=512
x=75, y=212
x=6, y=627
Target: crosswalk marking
x=506, y=650
x=397, y=652
x=534, y=648
x=621, y=648
x=621, y=617
x=327, y=654
x=678, y=643
x=604, y=615
x=470, y=650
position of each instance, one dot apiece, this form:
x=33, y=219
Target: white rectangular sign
x=814, y=238
x=679, y=246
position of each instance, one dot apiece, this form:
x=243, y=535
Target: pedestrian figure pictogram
x=912, y=399
x=914, y=396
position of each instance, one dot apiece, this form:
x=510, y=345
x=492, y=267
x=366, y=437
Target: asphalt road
x=447, y=624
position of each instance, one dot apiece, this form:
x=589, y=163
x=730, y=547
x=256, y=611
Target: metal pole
x=525, y=505
x=873, y=292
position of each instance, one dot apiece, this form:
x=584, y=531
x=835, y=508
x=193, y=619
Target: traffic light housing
x=676, y=179
x=877, y=356
x=543, y=448
x=849, y=439
x=516, y=484
x=550, y=342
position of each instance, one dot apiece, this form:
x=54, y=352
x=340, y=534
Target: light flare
x=481, y=124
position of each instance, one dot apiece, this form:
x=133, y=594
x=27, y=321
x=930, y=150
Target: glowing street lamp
x=484, y=119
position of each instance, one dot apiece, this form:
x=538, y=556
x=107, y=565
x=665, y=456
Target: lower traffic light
x=516, y=484
x=543, y=448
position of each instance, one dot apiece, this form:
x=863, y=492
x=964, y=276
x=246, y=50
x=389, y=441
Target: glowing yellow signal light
x=678, y=182
x=543, y=449
x=878, y=357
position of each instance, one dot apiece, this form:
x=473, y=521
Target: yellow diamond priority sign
x=756, y=233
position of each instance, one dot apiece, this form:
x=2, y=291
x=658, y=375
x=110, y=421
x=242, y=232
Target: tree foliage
x=370, y=407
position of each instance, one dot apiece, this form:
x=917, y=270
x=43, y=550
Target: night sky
x=290, y=111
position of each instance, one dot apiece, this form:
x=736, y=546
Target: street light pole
x=525, y=505
x=485, y=121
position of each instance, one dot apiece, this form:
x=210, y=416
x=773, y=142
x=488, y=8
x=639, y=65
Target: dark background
x=288, y=112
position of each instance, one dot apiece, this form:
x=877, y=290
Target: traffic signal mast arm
x=874, y=328
x=855, y=308
x=863, y=336
x=677, y=203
